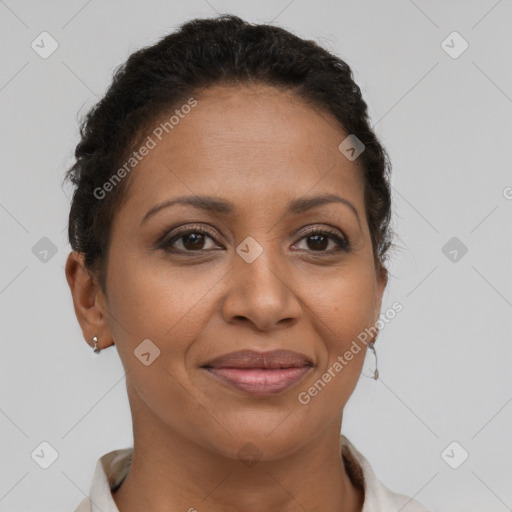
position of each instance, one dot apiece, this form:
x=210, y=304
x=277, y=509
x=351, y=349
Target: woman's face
x=256, y=280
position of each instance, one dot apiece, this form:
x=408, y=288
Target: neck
x=169, y=472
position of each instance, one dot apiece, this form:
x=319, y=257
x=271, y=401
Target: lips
x=260, y=373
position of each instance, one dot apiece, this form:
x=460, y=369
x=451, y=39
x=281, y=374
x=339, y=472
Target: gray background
x=444, y=360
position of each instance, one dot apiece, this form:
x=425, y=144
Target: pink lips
x=260, y=373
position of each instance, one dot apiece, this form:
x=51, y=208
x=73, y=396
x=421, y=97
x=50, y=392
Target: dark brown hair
x=204, y=52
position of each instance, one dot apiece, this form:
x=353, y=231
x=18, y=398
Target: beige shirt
x=112, y=467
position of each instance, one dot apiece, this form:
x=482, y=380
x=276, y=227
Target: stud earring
x=97, y=350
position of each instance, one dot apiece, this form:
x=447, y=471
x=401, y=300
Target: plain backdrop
x=442, y=110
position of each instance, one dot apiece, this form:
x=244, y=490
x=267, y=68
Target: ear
x=381, y=283
x=89, y=301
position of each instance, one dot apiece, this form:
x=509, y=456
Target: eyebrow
x=221, y=206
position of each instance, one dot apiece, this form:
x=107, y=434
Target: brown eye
x=191, y=240
x=317, y=240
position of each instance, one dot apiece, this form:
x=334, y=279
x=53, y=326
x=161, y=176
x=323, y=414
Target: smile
x=260, y=374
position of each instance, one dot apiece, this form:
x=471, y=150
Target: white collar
x=112, y=468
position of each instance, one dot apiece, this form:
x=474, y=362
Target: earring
x=96, y=349
x=376, y=372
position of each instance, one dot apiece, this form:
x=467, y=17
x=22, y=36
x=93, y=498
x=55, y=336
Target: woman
x=229, y=229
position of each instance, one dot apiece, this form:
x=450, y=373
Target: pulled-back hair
x=202, y=53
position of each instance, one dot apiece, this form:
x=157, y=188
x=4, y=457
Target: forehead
x=253, y=143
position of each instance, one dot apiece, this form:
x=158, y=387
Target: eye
x=318, y=239
x=195, y=239
x=192, y=239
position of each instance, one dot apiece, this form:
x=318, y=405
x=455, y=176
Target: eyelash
x=166, y=245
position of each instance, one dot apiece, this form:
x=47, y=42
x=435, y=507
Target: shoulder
x=84, y=506
x=110, y=471
x=378, y=497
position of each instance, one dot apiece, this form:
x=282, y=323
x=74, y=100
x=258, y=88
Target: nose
x=261, y=294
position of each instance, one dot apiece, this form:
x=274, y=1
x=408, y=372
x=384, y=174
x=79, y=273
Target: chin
x=266, y=440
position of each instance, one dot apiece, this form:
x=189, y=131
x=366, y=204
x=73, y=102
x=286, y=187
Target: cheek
x=158, y=302
x=346, y=305
x=168, y=307
x=343, y=310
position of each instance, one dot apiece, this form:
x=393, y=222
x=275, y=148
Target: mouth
x=260, y=373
